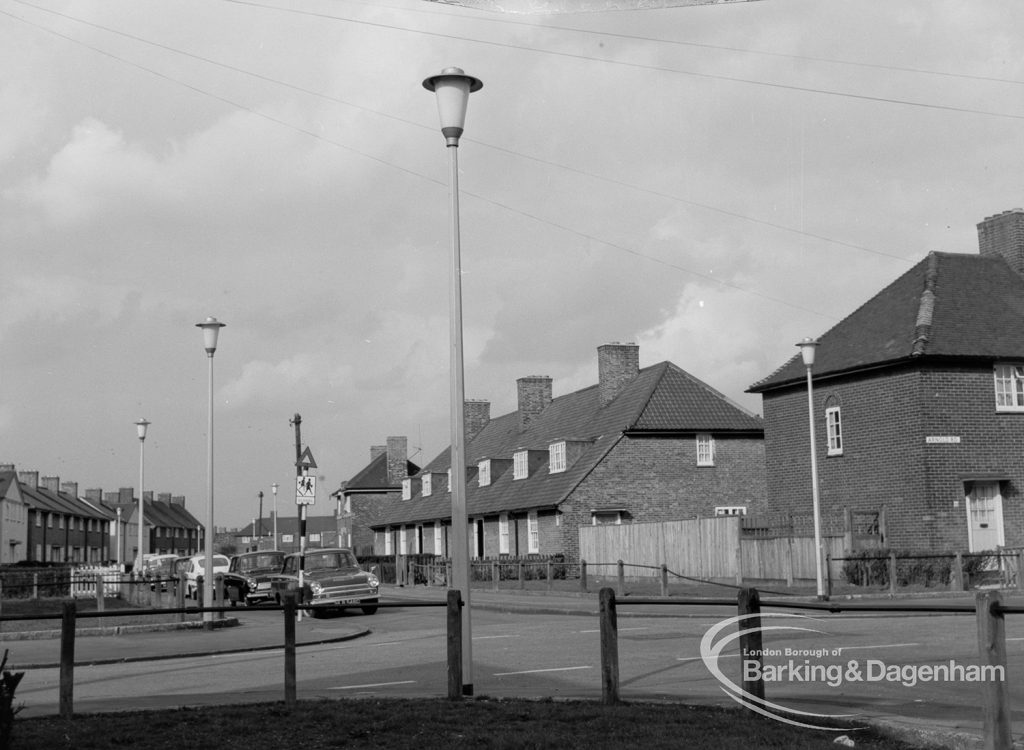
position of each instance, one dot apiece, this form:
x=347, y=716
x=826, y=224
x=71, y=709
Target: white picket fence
x=83, y=580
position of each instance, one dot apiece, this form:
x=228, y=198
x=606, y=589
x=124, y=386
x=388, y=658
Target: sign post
x=305, y=495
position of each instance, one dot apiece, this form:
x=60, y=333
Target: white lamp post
x=807, y=350
x=274, y=487
x=211, y=329
x=117, y=535
x=140, y=428
x=453, y=88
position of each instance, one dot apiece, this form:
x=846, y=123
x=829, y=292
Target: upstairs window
x=449, y=480
x=426, y=485
x=520, y=465
x=407, y=489
x=556, y=457
x=834, y=428
x=705, y=450
x=1009, y=381
x=484, y=472
x=730, y=510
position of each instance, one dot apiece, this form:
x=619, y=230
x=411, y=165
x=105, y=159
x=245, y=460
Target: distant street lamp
x=260, y=537
x=807, y=350
x=274, y=487
x=453, y=88
x=120, y=542
x=211, y=329
x=140, y=428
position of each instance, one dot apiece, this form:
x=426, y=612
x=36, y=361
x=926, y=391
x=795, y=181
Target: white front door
x=985, y=517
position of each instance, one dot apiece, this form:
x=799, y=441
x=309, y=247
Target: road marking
x=621, y=630
x=485, y=637
x=373, y=685
x=883, y=645
x=535, y=671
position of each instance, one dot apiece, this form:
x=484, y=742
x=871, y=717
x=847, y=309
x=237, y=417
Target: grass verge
x=433, y=723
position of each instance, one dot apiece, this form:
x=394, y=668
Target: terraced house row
x=46, y=520
x=919, y=413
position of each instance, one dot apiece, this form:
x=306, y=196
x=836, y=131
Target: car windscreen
x=323, y=560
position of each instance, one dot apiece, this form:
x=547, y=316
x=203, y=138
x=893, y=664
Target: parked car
x=196, y=569
x=158, y=570
x=247, y=578
x=332, y=581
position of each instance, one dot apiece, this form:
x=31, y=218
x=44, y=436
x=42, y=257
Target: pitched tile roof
x=947, y=305
x=374, y=476
x=661, y=397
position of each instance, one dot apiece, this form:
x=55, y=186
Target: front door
x=985, y=516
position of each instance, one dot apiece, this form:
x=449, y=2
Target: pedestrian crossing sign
x=305, y=490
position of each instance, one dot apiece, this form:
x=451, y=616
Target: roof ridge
x=651, y=389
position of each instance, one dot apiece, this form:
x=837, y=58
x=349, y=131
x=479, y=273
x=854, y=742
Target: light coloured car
x=196, y=569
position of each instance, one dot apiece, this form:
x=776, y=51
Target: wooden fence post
x=495, y=574
x=289, y=650
x=995, y=704
x=180, y=594
x=550, y=574
x=1020, y=571
x=751, y=649
x=892, y=574
x=664, y=579
x=35, y=585
x=521, y=578
x=99, y=592
x=828, y=573
x=218, y=594
x=583, y=575
x=789, y=555
x=67, y=661
x=609, y=648
x=454, y=644
x=622, y=578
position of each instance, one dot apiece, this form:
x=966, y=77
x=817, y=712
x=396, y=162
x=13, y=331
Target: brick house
x=13, y=519
x=362, y=498
x=321, y=532
x=919, y=402
x=649, y=444
x=61, y=527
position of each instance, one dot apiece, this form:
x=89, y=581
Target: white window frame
x=503, y=541
x=532, y=533
x=426, y=485
x=1009, y=387
x=403, y=541
x=438, y=538
x=594, y=514
x=556, y=457
x=730, y=510
x=520, y=465
x=705, y=449
x=449, y=479
x=387, y=540
x=407, y=489
x=834, y=430
x=483, y=473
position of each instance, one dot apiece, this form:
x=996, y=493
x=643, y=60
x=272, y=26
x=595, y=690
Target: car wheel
x=370, y=610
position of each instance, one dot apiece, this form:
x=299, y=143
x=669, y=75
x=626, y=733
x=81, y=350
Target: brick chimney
x=534, y=392
x=31, y=478
x=1003, y=235
x=476, y=414
x=126, y=494
x=178, y=500
x=398, y=459
x=164, y=497
x=69, y=488
x=147, y=496
x=617, y=365
x=50, y=484
x=94, y=495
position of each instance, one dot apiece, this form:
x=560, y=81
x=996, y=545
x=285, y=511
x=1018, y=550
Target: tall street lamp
x=120, y=542
x=260, y=537
x=274, y=487
x=211, y=329
x=807, y=349
x=140, y=428
x=453, y=88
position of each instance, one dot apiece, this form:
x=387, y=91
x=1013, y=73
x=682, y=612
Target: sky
x=713, y=182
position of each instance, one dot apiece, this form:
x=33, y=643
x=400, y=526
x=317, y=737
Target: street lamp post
x=274, y=487
x=453, y=88
x=807, y=350
x=211, y=328
x=140, y=428
x=120, y=543
x=259, y=538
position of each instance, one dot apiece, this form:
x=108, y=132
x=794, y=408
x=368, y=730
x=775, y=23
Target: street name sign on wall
x=305, y=490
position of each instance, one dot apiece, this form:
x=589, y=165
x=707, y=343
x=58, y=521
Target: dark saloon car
x=247, y=577
x=332, y=581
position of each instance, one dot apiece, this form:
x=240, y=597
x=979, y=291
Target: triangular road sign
x=306, y=459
